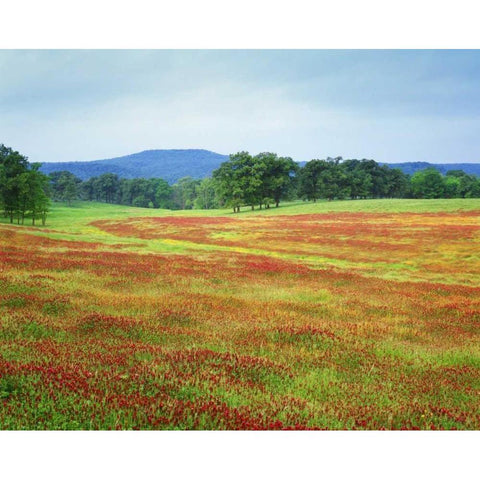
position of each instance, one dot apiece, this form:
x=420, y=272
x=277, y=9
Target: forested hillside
x=170, y=165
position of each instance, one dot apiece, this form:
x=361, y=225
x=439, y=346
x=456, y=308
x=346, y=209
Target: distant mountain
x=443, y=168
x=170, y=165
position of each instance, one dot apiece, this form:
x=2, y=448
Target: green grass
x=75, y=218
x=73, y=222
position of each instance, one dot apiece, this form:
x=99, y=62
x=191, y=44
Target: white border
x=240, y=455
x=239, y=24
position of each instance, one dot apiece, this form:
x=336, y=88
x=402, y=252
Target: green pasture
x=74, y=223
x=76, y=218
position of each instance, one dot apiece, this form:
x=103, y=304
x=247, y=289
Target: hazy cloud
x=411, y=105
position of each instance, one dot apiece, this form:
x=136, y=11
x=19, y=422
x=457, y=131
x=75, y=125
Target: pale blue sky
x=389, y=105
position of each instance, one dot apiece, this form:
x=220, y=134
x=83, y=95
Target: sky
x=389, y=105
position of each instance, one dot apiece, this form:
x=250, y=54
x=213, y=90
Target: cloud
x=391, y=106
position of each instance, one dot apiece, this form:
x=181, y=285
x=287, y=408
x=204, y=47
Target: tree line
x=187, y=193
x=264, y=180
x=24, y=190
x=259, y=181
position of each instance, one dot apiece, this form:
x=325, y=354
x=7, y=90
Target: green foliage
x=24, y=189
x=469, y=186
x=184, y=193
x=206, y=197
x=428, y=183
x=452, y=187
x=163, y=194
x=266, y=179
x=278, y=177
x=259, y=180
x=65, y=186
x=325, y=179
x=311, y=179
x=336, y=179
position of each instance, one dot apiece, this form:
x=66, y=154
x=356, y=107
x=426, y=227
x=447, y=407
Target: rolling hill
x=170, y=165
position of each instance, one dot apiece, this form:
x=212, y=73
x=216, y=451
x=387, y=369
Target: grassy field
x=335, y=315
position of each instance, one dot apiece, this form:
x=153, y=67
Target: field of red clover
x=312, y=320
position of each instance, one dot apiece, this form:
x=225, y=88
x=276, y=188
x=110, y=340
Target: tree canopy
x=24, y=190
x=255, y=180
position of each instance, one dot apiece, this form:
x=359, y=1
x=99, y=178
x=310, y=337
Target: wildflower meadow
x=334, y=315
